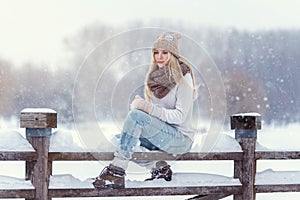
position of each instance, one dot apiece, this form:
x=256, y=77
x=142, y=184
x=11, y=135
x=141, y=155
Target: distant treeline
x=260, y=72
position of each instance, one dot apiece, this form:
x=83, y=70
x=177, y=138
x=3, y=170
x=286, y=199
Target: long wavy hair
x=175, y=73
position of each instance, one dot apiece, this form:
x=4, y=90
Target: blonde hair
x=175, y=73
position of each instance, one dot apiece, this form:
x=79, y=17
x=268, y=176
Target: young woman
x=163, y=120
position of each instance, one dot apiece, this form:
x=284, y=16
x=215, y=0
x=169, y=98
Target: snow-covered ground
x=71, y=173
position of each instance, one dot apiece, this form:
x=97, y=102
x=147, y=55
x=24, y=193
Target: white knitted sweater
x=177, y=106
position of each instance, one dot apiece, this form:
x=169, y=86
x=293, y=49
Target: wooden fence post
x=246, y=126
x=38, y=124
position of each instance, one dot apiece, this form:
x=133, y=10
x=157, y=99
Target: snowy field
x=78, y=174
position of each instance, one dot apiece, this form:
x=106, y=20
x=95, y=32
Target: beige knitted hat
x=168, y=41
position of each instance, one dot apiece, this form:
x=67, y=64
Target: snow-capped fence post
x=39, y=124
x=246, y=126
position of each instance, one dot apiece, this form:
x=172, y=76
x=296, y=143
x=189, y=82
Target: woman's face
x=161, y=57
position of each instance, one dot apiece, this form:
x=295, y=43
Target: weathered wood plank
x=248, y=170
x=40, y=174
x=18, y=156
x=38, y=118
x=55, y=156
x=210, y=197
x=157, y=191
x=106, y=156
x=277, y=155
x=246, y=126
x=277, y=188
x=21, y=193
x=246, y=121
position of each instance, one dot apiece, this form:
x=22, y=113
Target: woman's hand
x=141, y=104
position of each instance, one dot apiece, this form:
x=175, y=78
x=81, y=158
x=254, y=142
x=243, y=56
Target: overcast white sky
x=32, y=30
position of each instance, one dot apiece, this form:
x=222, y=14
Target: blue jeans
x=151, y=133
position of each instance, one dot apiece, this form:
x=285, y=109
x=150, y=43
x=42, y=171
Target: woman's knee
x=139, y=117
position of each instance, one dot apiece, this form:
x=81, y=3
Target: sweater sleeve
x=184, y=100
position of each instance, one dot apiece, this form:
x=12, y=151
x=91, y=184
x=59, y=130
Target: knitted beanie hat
x=168, y=41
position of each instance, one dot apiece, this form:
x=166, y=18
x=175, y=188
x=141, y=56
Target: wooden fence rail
x=39, y=122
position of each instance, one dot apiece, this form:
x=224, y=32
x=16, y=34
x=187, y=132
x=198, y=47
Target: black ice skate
x=110, y=177
x=161, y=170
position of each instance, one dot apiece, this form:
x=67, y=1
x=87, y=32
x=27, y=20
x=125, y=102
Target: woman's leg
x=158, y=133
x=139, y=125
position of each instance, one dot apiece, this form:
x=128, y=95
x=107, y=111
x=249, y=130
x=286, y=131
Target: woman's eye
x=165, y=52
x=155, y=52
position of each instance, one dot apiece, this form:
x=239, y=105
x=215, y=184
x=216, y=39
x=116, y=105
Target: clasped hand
x=141, y=104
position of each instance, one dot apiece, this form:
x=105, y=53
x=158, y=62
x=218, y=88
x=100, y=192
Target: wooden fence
x=38, y=124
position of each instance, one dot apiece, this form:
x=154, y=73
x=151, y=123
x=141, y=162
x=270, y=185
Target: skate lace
x=158, y=172
x=107, y=170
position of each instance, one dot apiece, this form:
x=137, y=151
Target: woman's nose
x=160, y=55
